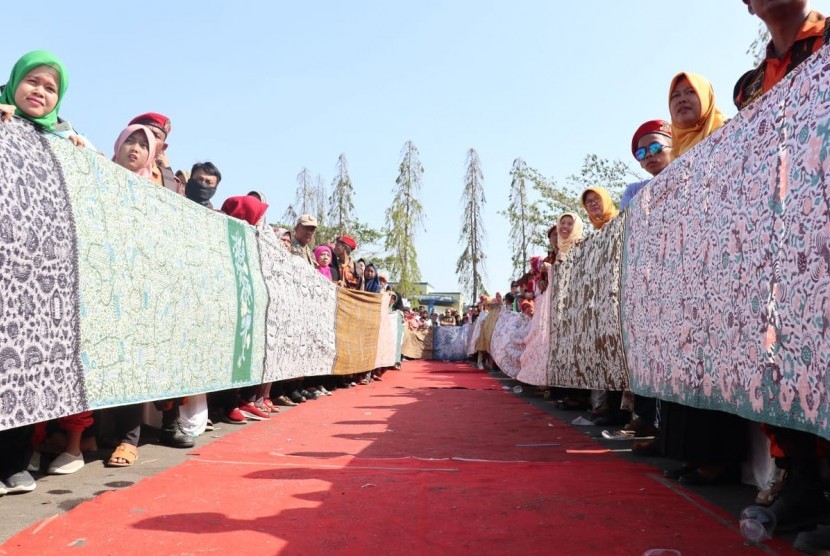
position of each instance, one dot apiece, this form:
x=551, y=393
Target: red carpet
x=429, y=461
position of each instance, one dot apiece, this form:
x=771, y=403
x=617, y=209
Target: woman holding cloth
x=710, y=443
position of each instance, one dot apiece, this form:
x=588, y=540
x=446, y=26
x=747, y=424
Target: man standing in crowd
x=201, y=187
x=796, y=32
x=344, y=271
x=159, y=124
x=301, y=238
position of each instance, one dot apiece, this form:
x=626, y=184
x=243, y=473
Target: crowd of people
x=33, y=92
x=708, y=445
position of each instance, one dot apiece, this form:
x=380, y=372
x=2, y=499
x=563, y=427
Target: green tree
x=553, y=200
x=470, y=265
x=403, y=218
x=522, y=215
x=341, y=204
x=613, y=175
x=304, y=198
x=320, y=200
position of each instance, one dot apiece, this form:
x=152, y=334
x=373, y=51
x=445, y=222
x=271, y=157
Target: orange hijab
x=711, y=118
x=609, y=211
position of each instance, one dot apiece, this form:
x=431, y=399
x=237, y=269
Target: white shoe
x=34, y=462
x=66, y=464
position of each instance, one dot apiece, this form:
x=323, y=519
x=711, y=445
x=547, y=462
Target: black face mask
x=199, y=192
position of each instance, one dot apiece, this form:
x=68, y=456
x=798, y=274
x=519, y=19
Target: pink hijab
x=324, y=270
x=147, y=170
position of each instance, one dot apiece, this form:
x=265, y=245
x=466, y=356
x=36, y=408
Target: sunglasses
x=653, y=148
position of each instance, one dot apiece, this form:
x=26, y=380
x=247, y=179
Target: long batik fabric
x=727, y=268
x=387, y=335
x=397, y=318
x=450, y=343
x=417, y=344
x=41, y=376
x=161, y=288
x=357, y=331
x=534, y=358
x=586, y=345
x=508, y=341
x=475, y=332
x=300, y=333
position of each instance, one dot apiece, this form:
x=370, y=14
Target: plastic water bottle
x=517, y=389
x=757, y=523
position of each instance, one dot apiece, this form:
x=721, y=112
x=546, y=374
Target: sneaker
x=296, y=397
x=21, y=481
x=209, y=426
x=34, y=462
x=285, y=401
x=234, y=417
x=251, y=411
x=814, y=542
x=66, y=464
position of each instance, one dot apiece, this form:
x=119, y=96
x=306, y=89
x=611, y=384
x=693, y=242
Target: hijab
x=324, y=270
x=21, y=69
x=711, y=118
x=247, y=208
x=145, y=171
x=373, y=285
x=564, y=245
x=609, y=211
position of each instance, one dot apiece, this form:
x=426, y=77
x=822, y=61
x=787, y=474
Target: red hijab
x=245, y=207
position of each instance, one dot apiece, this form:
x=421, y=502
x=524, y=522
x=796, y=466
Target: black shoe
x=813, y=542
x=675, y=474
x=175, y=437
x=296, y=397
x=794, y=511
x=307, y=395
x=695, y=478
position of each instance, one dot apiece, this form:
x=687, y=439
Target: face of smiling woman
x=37, y=93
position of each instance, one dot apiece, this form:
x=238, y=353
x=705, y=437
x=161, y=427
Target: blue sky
x=265, y=89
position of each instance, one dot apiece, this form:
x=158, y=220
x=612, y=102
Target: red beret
x=159, y=121
x=653, y=126
x=347, y=240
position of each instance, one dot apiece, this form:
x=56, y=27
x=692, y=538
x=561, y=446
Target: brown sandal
x=126, y=452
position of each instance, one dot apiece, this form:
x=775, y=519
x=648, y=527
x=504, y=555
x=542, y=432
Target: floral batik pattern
x=586, y=346
x=726, y=289
x=40, y=367
x=299, y=332
x=508, y=341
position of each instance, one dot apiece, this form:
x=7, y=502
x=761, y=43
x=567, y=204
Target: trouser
x=15, y=450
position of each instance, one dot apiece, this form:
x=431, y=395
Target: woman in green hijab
x=34, y=90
